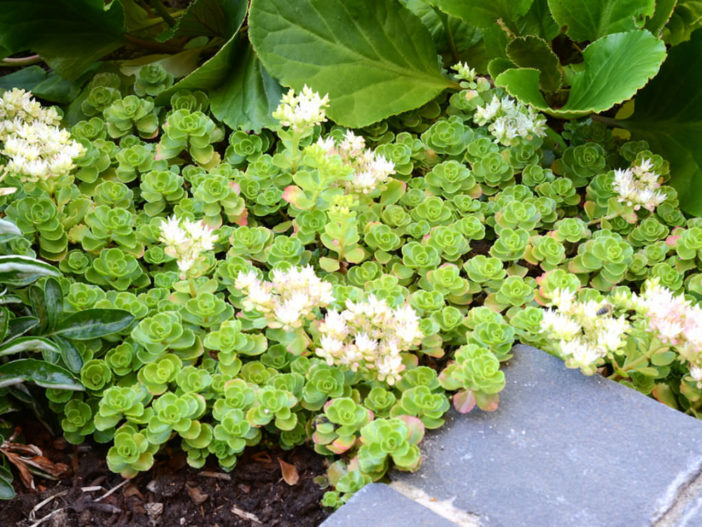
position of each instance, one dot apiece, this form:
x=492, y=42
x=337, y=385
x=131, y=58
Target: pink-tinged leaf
x=243, y=219
x=296, y=196
x=488, y=403
x=475, y=192
x=415, y=428
x=290, y=474
x=672, y=241
x=464, y=401
x=235, y=187
x=341, y=445
x=158, y=156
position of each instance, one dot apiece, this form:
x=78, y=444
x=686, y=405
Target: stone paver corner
x=562, y=450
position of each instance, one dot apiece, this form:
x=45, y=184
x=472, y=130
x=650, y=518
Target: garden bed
x=171, y=493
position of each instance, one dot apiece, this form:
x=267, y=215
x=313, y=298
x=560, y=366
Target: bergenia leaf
x=588, y=20
x=668, y=114
x=615, y=68
x=374, y=58
x=481, y=13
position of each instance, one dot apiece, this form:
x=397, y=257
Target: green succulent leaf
x=93, y=323
x=668, y=115
x=482, y=13
x=588, y=20
x=616, y=66
x=39, y=372
x=68, y=34
x=384, y=59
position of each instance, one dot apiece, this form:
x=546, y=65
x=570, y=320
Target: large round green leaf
x=373, y=57
x=484, y=13
x=588, y=20
x=668, y=114
x=615, y=68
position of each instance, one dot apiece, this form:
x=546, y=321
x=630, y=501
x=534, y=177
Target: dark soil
x=171, y=494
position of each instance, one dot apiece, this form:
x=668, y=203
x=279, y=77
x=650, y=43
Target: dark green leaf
x=4, y=322
x=588, y=20
x=664, y=10
x=53, y=299
x=23, y=270
x=93, y=323
x=373, y=57
x=7, y=492
x=21, y=325
x=212, y=18
x=534, y=52
x=484, y=13
x=28, y=344
x=248, y=95
x=26, y=78
x=668, y=114
x=615, y=67
x=56, y=89
x=539, y=22
x=69, y=354
x=39, y=372
x=36, y=299
x=68, y=34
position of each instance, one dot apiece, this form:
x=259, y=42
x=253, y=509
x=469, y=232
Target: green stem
x=622, y=373
x=191, y=284
x=14, y=62
x=295, y=151
x=150, y=45
x=161, y=10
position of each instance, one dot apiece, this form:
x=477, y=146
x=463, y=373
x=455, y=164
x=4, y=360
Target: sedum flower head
x=509, y=120
x=369, y=336
x=370, y=170
x=585, y=331
x=303, y=111
x=288, y=299
x=464, y=72
x=185, y=240
x=36, y=147
x=638, y=186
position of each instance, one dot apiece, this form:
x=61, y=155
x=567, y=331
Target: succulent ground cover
x=317, y=269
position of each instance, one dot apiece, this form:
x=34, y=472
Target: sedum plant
x=345, y=288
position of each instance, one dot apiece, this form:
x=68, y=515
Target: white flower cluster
x=303, y=111
x=675, y=321
x=369, y=336
x=584, y=331
x=185, y=240
x=369, y=168
x=510, y=120
x=288, y=299
x=36, y=147
x=638, y=186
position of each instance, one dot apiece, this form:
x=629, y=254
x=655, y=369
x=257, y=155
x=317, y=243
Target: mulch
x=171, y=494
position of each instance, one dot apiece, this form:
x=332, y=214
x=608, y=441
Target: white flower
x=637, y=186
x=302, y=112
x=186, y=240
x=464, y=72
x=510, y=120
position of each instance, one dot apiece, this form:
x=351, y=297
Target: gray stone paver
x=562, y=450
x=380, y=506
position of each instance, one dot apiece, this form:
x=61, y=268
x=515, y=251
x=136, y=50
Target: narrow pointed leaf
x=39, y=372
x=23, y=270
x=18, y=345
x=93, y=323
